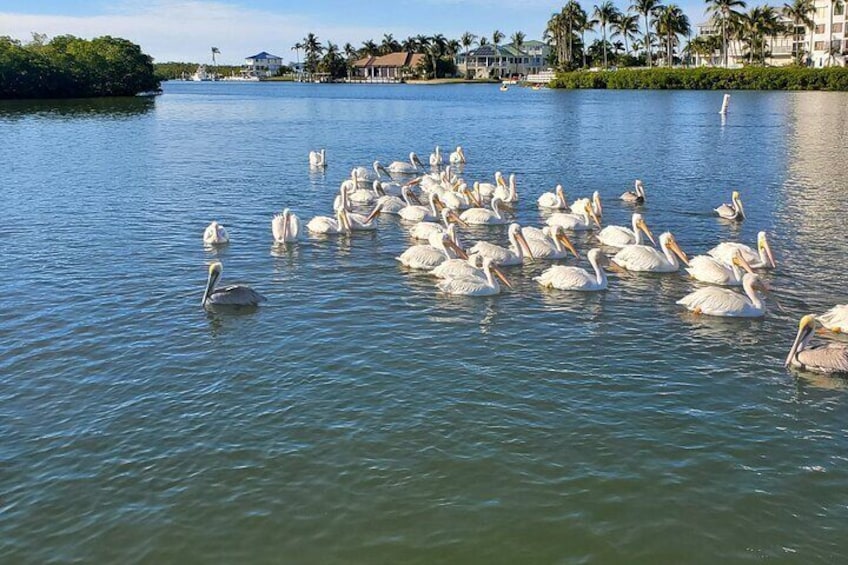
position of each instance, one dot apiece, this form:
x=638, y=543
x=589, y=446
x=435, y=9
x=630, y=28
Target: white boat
x=201, y=75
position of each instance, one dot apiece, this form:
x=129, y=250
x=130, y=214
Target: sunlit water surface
x=360, y=416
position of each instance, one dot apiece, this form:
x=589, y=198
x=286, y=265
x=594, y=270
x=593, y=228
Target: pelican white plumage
x=417, y=213
x=423, y=230
x=715, y=301
x=431, y=256
x=318, y=159
x=732, y=211
x=390, y=204
x=484, y=216
x=508, y=192
x=636, y=196
x=576, y=278
x=762, y=258
x=553, y=200
x=553, y=244
x=358, y=192
x=215, y=234
x=595, y=202
x=476, y=285
x=233, y=295
x=404, y=168
x=458, y=156
x=620, y=236
x=643, y=258
x=358, y=222
x=457, y=268
x=328, y=225
x=487, y=189
x=822, y=358
x=285, y=227
x=436, y=158
x=576, y=222
x=835, y=319
x=502, y=256
x=711, y=270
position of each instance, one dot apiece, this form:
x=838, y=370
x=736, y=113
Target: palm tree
x=497, y=37
x=437, y=47
x=801, y=13
x=671, y=21
x=584, y=23
x=723, y=11
x=350, y=57
x=313, y=48
x=553, y=36
x=518, y=42
x=831, y=50
x=389, y=44
x=626, y=26
x=467, y=40
x=483, y=41
x=369, y=48
x=605, y=14
x=296, y=48
x=646, y=8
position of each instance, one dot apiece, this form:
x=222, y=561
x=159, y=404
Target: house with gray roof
x=263, y=64
x=502, y=61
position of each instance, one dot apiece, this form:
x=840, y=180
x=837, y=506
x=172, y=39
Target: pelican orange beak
x=764, y=245
x=805, y=328
x=374, y=213
x=471, y=197
x=439, y=204
x=740, y=261
x=567, y=243
x=613, y=266
x=456, y=219
x=644, y=227
x=413, y=182
x=679, y=252
x=523, y=242
x=414, y=198
x=382, y=169
x=501, y=181
x=593, y=215
x=596, y=198
x=460, y=252
x=498, y=273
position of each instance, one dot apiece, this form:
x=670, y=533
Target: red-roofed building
x=388, y=68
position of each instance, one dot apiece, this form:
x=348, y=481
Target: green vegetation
x=706, y=78
x=70, y=67
x=172, y=70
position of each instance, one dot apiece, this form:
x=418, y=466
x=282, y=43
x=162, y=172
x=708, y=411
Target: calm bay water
x=361, y=417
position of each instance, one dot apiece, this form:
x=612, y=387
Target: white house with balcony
x=263, y=64
x=490, y=61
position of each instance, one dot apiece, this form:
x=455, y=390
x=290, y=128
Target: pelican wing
x=477, y=216
x=629, y=196
x=567, y=278
x=499, y=255
x=567, y=221
x=455, y=269
x=642, y=258
x=529, y=232
x=719, y=302
x=423, y=230
x=835, y=319
x=545, y=249
x=616, y=236
x=468, y=286
x=726, y=211
x=422, y=257
x=824, y=358
x=579, y=205
x=294, y=226
x=235, y=295
x=548, y=200
x=710, y=270
x=277, y=227
x=726, y=250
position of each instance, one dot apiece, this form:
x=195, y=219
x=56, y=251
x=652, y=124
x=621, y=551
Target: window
x=837, y=28
x=820, y=28
x=839, y=9
x=821, y=13
x=818, y=46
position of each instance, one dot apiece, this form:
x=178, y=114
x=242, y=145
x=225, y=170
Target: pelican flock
x=489, y=207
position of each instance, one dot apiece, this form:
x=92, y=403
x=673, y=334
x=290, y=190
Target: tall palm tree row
x=605, y=14
x=725, y=14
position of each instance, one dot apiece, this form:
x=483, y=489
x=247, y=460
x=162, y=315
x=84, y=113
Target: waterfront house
x=393, y=67
x=490, y=61
x=263, y=64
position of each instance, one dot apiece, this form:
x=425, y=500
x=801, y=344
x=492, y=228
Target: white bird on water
x=436, y=158
x=548, y=243
x=285, y=227
x=507, y=193
x=762, y=258
x=457, y=268
x=575, y=222
x=620, y=236
x=715, y=301
x=553, y=200
x=391, y=204
x=404, y=168
x=502, y=256
x=328, y=225
x=423, y=230
x=215, y=234
x=713, y=271
x=431, y=256
x=835, y=319
x=233, y=295
x=643, y=258
x=484, y=216
x=476, y=285
x=595, y=202
x=822, y=358
x=636, y=196
x=575, y=278
x=318, y=159
x=732, y=211
x=458, y=156
x=418, y=213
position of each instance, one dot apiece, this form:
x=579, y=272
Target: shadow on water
x=97, y=108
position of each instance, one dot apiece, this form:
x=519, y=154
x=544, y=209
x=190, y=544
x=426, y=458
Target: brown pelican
x=732, y=211
x=636, y=196
x=215, y=234
x=233, y=295
x=575, y=278
x=715, y=301
x=762, y=258
x=822, y=358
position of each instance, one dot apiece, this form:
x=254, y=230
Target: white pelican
x=711, y=270
x=403, y=168
x=358, y=222
x=390, y=204
x=317, y=158
x=595, y=202
x=619, y=236
x=732, y=211
x=835, y=319
x=458, y=156
x=575, y=222
x=423, y=230
x=487, y=189
x=822, y=358
x=285, y=227
x=328, y=225
x=358, y=193
x=553, y=244
x=459, y=199
x=575, y=278
x=484, y=216
x=762, y=258
x=428, y=256
x=417, y=213
x=233, y=295
x=643, y=258
x=636, y=196
x=457, y=268
x=475, y=285
x=215, y=234
x=715, y=301
x=553, y=200
x=514, y=255
x=436, y=158
x=507, y=193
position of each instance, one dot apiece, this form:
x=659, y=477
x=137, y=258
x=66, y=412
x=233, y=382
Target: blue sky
x=185, y=30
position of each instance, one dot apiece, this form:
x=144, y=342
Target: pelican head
x=558, y=232
x=413, y=158
x=667, y=241
x=640, y=190
x=596, y=203
x=515, y=234
x=806, y=329
x=765, y=249
x=560, y=192
x=215, y=270
x=499, y=180
x=446, y=242
x=740, y=261
x=488, y=266
x=380, y=169
x=639, y=223
x=737, y=203
x=590, y=212
x=461, y=154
